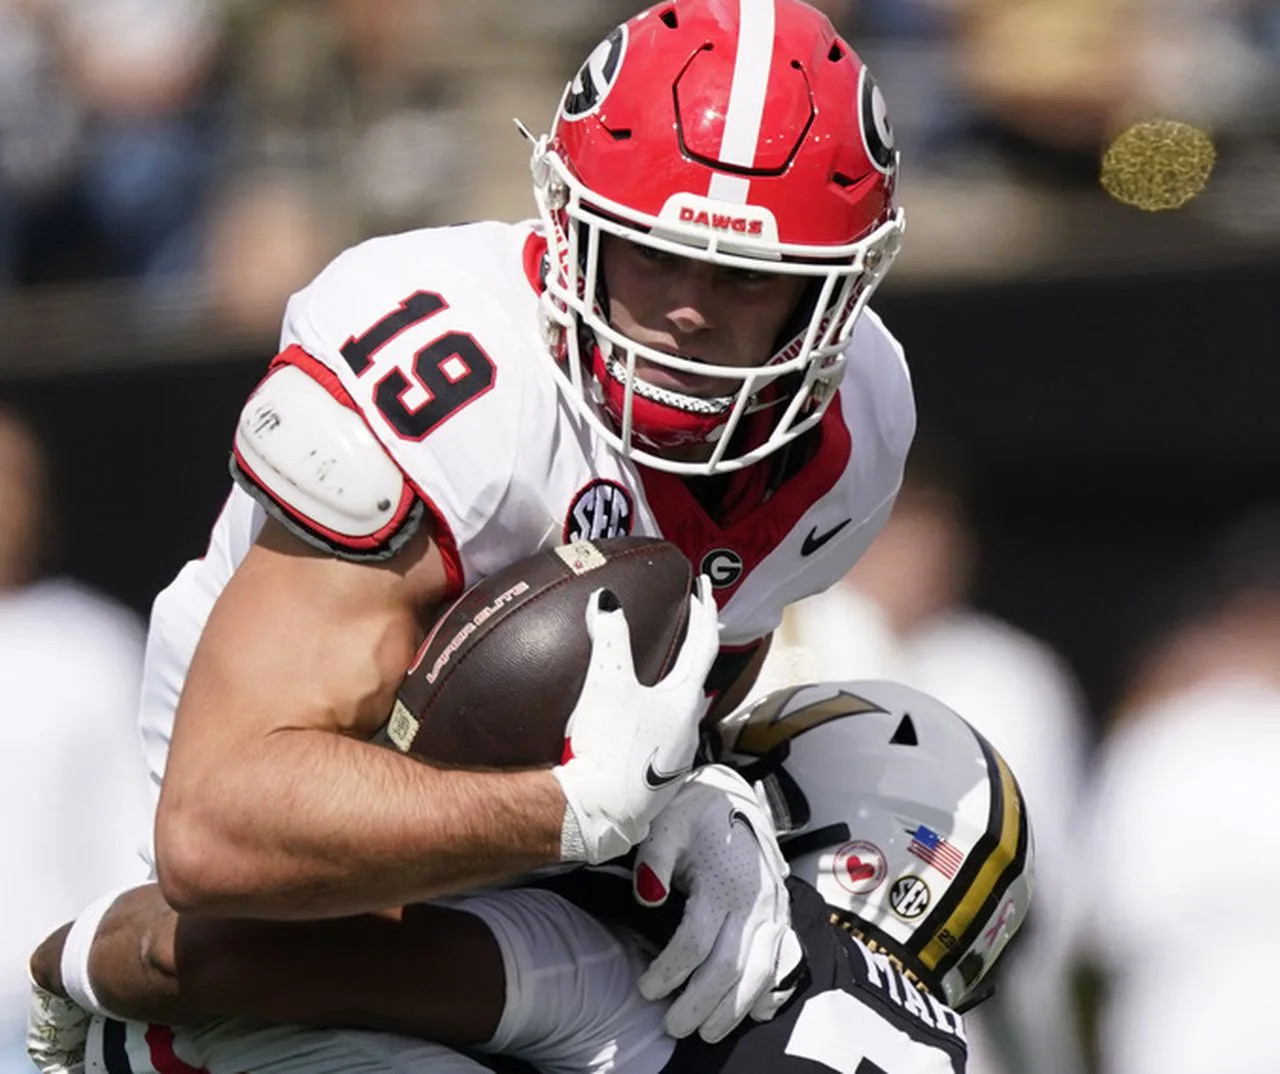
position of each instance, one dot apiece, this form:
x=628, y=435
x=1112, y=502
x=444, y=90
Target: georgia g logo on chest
x=601, y=510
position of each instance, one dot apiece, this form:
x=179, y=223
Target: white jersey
x=433, y=337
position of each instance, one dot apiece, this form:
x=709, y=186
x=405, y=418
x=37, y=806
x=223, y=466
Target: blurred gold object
x=1158, y=164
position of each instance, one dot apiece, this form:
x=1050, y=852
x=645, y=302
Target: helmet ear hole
x=905, y=735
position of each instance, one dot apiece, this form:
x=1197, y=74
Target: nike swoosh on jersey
x=655, y=780
x=813, y=541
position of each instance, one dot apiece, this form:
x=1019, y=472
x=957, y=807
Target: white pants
x=234, y=1046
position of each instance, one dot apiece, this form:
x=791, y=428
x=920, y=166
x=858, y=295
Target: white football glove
x=56, y=1032
x=716, y=841
x=630, y=745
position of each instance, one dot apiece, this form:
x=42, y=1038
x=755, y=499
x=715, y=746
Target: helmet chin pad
x=660, y=418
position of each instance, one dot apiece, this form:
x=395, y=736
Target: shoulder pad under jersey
x=307, y=456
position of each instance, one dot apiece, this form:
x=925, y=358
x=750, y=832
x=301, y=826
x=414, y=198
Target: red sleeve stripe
x=163, y=1057
x=455, y=576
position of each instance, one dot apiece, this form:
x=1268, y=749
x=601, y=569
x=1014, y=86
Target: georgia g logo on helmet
x=596, y=77
x=877, y=131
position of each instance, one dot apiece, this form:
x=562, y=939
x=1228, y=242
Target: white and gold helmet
x=906, y=820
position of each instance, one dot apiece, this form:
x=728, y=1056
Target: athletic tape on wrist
x=75, y=954
x=573, y=846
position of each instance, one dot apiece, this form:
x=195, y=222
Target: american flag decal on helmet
x=933, y=849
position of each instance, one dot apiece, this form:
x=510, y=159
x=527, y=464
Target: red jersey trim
x=455, y=576
x=754, y=531
x=163, y=1058
x=535, y=251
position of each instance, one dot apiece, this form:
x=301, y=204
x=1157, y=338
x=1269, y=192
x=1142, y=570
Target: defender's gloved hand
x=56, y=1032
x=734, y=945
x=629, y=744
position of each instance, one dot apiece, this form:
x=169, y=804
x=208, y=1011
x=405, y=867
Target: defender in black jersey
x=854, y=1011
x=904, y=819
x=912, y=861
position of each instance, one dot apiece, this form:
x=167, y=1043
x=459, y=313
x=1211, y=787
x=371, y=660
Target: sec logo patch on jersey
x=602, y=510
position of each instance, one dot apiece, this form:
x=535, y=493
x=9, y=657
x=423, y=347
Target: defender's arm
x=430, y=971
x=520, y=971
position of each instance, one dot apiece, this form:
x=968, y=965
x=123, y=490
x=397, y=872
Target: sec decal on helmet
x=745, y=133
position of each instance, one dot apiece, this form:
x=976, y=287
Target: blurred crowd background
x=1085, y=560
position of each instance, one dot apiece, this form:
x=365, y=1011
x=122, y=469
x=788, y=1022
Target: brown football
x=496, y=680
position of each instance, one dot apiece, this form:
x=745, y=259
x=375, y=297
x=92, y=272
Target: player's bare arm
x=273, y=804
x=150, y=963
x=370, y=971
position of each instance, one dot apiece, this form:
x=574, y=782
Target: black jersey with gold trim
x=853, y=1011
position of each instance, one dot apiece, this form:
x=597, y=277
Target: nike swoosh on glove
x=734, y=945
x=630, y=745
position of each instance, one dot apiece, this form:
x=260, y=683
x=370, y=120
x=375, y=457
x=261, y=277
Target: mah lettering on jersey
x=743, y=225
x=887, y=972
x=601, y=510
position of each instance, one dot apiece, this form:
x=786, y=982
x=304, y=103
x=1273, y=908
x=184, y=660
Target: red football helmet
x=745, y=133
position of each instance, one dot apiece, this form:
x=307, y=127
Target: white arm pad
x=314, y=464
x=572, y=1001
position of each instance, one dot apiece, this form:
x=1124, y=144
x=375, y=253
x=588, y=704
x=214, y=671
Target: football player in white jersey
x=913, y=866
x=676, y=347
